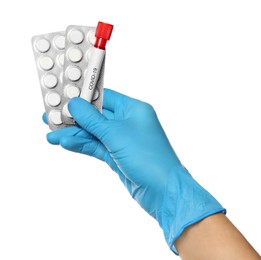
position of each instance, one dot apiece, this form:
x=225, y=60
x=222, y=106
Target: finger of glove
x=88, y=117
x=91, y=147
x=44, y=117
x=56, y=136
x=94, y=148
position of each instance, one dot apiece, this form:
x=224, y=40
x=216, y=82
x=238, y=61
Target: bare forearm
x=215, y=238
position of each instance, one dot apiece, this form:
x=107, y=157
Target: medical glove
x=130, y=139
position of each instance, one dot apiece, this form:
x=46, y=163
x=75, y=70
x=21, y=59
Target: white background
x=197, y=62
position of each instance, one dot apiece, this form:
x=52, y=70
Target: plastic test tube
x=102, y=34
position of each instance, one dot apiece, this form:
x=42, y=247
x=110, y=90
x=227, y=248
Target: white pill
x=50, y=81
x=88, y=54
x=73, y=73
x=71, y=91
x=96, y=95
x=59, y=42
x=60, y=59
x=91, y=37
x=45, y=63
x=55, y=117
x=53, y=99
x=42, y=45
x=61, y=77
x=76, y=36
x=74, y=55
x=66, y=111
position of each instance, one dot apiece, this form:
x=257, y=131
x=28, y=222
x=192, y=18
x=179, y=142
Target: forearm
x=215, y=238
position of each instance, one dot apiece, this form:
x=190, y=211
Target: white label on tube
x=92, y=74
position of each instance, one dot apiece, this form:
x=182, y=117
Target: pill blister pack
x=61, y=60
x=79, y=43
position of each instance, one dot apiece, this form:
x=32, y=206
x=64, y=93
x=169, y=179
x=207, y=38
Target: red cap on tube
x=102, y=34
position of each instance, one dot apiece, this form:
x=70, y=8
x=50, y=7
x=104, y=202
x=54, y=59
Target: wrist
x=185, y=203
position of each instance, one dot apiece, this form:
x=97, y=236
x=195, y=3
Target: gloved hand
x=129, y=138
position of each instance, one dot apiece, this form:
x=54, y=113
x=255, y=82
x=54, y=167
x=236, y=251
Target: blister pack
x=71, y=64
x=79, y=43
x=49, y=57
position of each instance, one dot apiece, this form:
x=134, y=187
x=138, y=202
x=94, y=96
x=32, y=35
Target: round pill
x=73, y=73
x=71, y=91
x=59, y=42
x=53, y=99
x=50, y=81
x=55, y=117
x=96, y=95
x=91, y=37
x=60, y=59
x=74, y=55
x=42, y=45
x=61, y=77
x=88, y=54
x=45, y=63
x=66, y=111
x=76, y=36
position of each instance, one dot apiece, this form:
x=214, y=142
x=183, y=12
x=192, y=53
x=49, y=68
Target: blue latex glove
x=129, y=138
